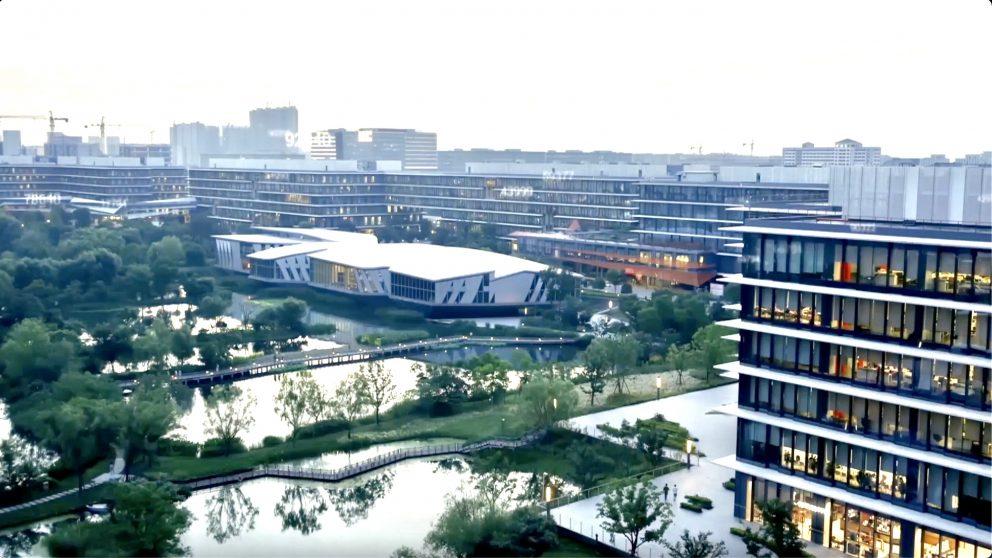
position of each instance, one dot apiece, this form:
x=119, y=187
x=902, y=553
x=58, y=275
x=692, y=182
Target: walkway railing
x=51, y=497
x=329, y=357
x=379, y=461
x=594, y=491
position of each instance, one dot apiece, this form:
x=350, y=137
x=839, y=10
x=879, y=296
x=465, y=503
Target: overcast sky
x=910, y=76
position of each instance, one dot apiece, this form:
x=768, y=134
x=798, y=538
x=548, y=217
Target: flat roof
x=251, y=238
x=426, y=261
x=909, y=232
x=328, y=235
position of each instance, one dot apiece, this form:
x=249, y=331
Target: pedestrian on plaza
x=675, y=495
x=665, y=491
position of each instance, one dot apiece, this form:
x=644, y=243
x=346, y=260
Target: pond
x=371, y=515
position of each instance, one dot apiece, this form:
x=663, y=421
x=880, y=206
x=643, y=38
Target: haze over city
x=636, y=76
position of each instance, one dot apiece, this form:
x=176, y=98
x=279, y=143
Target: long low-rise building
x=444, y=281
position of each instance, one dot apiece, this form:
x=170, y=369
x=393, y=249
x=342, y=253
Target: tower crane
x=50, y=118
x=102, y=125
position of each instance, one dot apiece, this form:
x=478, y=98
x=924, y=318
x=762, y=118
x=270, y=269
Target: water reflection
x=300, y=508
x=20, y=543
x=354, y=502
x=229, y=513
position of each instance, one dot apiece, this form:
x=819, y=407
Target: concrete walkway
x=717, y=437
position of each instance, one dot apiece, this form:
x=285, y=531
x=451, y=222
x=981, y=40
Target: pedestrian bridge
x=276, y=364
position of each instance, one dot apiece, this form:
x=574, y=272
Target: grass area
x=571, y=548
x=554, y=455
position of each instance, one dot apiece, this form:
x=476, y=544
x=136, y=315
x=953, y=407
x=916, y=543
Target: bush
x=738, y=531
x=691, y=507
x=730, y=484
x=321, y=428
x=599, y=283
x=177, y=447
x=321, y=329
x=393, y=337
x=215, y=447
x=270, y=441
x=626, y=288
x=700, y=501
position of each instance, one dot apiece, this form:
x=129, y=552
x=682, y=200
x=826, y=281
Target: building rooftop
x=258, y=238
x=327, y=235
x=905, y=232
x=295, y=249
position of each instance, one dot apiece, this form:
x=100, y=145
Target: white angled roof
x=289, y=250
x=426, y=261
x=328, y=235
x=257, y=238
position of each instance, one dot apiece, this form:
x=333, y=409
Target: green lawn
x=569, y=548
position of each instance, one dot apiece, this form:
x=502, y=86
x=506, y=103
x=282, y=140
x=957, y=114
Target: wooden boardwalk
x=356, y=469
x=330, y=357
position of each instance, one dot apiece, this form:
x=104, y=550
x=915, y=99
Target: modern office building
x=146, y=152
x=275, y=129
x=443, y=281
x=60, y=145
x=959, y=194
x=865, y=394
x=111, y=187
x=984, y=158
x=844, y=153
x=241, y=197
x=416, y=150
x=694, y=208
x=191, y=141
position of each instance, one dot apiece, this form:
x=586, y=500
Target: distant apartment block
x=11, y=143
x=416, y=150
x=145, y=152
x=844, y=153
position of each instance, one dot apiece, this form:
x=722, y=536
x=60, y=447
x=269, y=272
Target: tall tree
x=616, y=355
x=229, y=413
x=679, y=358
x=147, y=416
x=698, y=546
x=596, y=370
x=148, y=521
x=81, y=431
x=31, y=354
x=23, y=469
x=546, y=400
x=350, y=401
x=631, y=511
x=778, y=533
x=490, y=375
x=441, y=389
x=300, y=400
x=711, y=348
x=377, y=384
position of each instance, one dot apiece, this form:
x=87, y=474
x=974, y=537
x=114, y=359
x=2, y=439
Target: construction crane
x=102, y=125
x=745, y=144
x=51, y=119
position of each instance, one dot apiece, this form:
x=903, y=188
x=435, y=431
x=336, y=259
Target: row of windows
x=925, y=487
x=714, y=193
x=926, y=378
x=936, y=327
x=414, y=288
x=854, y=531
x=884, y=421
x=964, y=273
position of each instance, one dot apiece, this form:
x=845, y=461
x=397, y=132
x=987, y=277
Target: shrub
x=214, y=447
x=177, y=447
x=700, y=501
x=321, y=428
x=270, y=441
x=730, y=484
x=738, y=531
x=691, y=507
x=626, y=288
x=321, y=329
x=393, y=337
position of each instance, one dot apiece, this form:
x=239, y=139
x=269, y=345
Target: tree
x=589, y=464
x=148, y=521
x=545, y=400
x=679, y=358
x=469, y=526
x=596, y=370
x=630, y=511
x=377, y=385
x=300, y=400
x=300, y=508
x=213, y=353
x=31, y=354
x=286, y=316
x=711, y=348
x=615, y=277
x=23, y=469
x=778, y=533
x=165, y=258
x=82, y=217
x=81, y=431
x=617, y=355
x=182, y=344
x=212, y=306
x=698, y=546
x=650, y=436
x=350, y=400
x=147, y=416
x=229, y=413
x=440, y=388
x=490, y=375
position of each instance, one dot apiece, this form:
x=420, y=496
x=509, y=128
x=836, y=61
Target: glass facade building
x=865, y=394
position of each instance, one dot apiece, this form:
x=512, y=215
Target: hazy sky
x=910, y=76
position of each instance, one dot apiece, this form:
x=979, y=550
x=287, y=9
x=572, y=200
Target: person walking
x=675, y=495
x=665, y=491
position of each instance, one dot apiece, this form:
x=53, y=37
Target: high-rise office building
x=147, y=151
x=275, y=130
x=11, y=142
x=415, y=150
x=191, y=141
x=844, y=153
x=865, y=384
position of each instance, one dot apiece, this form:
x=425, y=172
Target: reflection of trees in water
x=229, y=513
x=354, y=502
x=300, y=508
x=18, y=543
x=455, y=464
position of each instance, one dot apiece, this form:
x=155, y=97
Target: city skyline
x=634, y=78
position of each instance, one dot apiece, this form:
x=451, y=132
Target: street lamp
x=688, y=452
x=547, y=499
x=657, y=387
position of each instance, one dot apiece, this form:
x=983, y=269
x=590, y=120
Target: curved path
x=337, y=475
